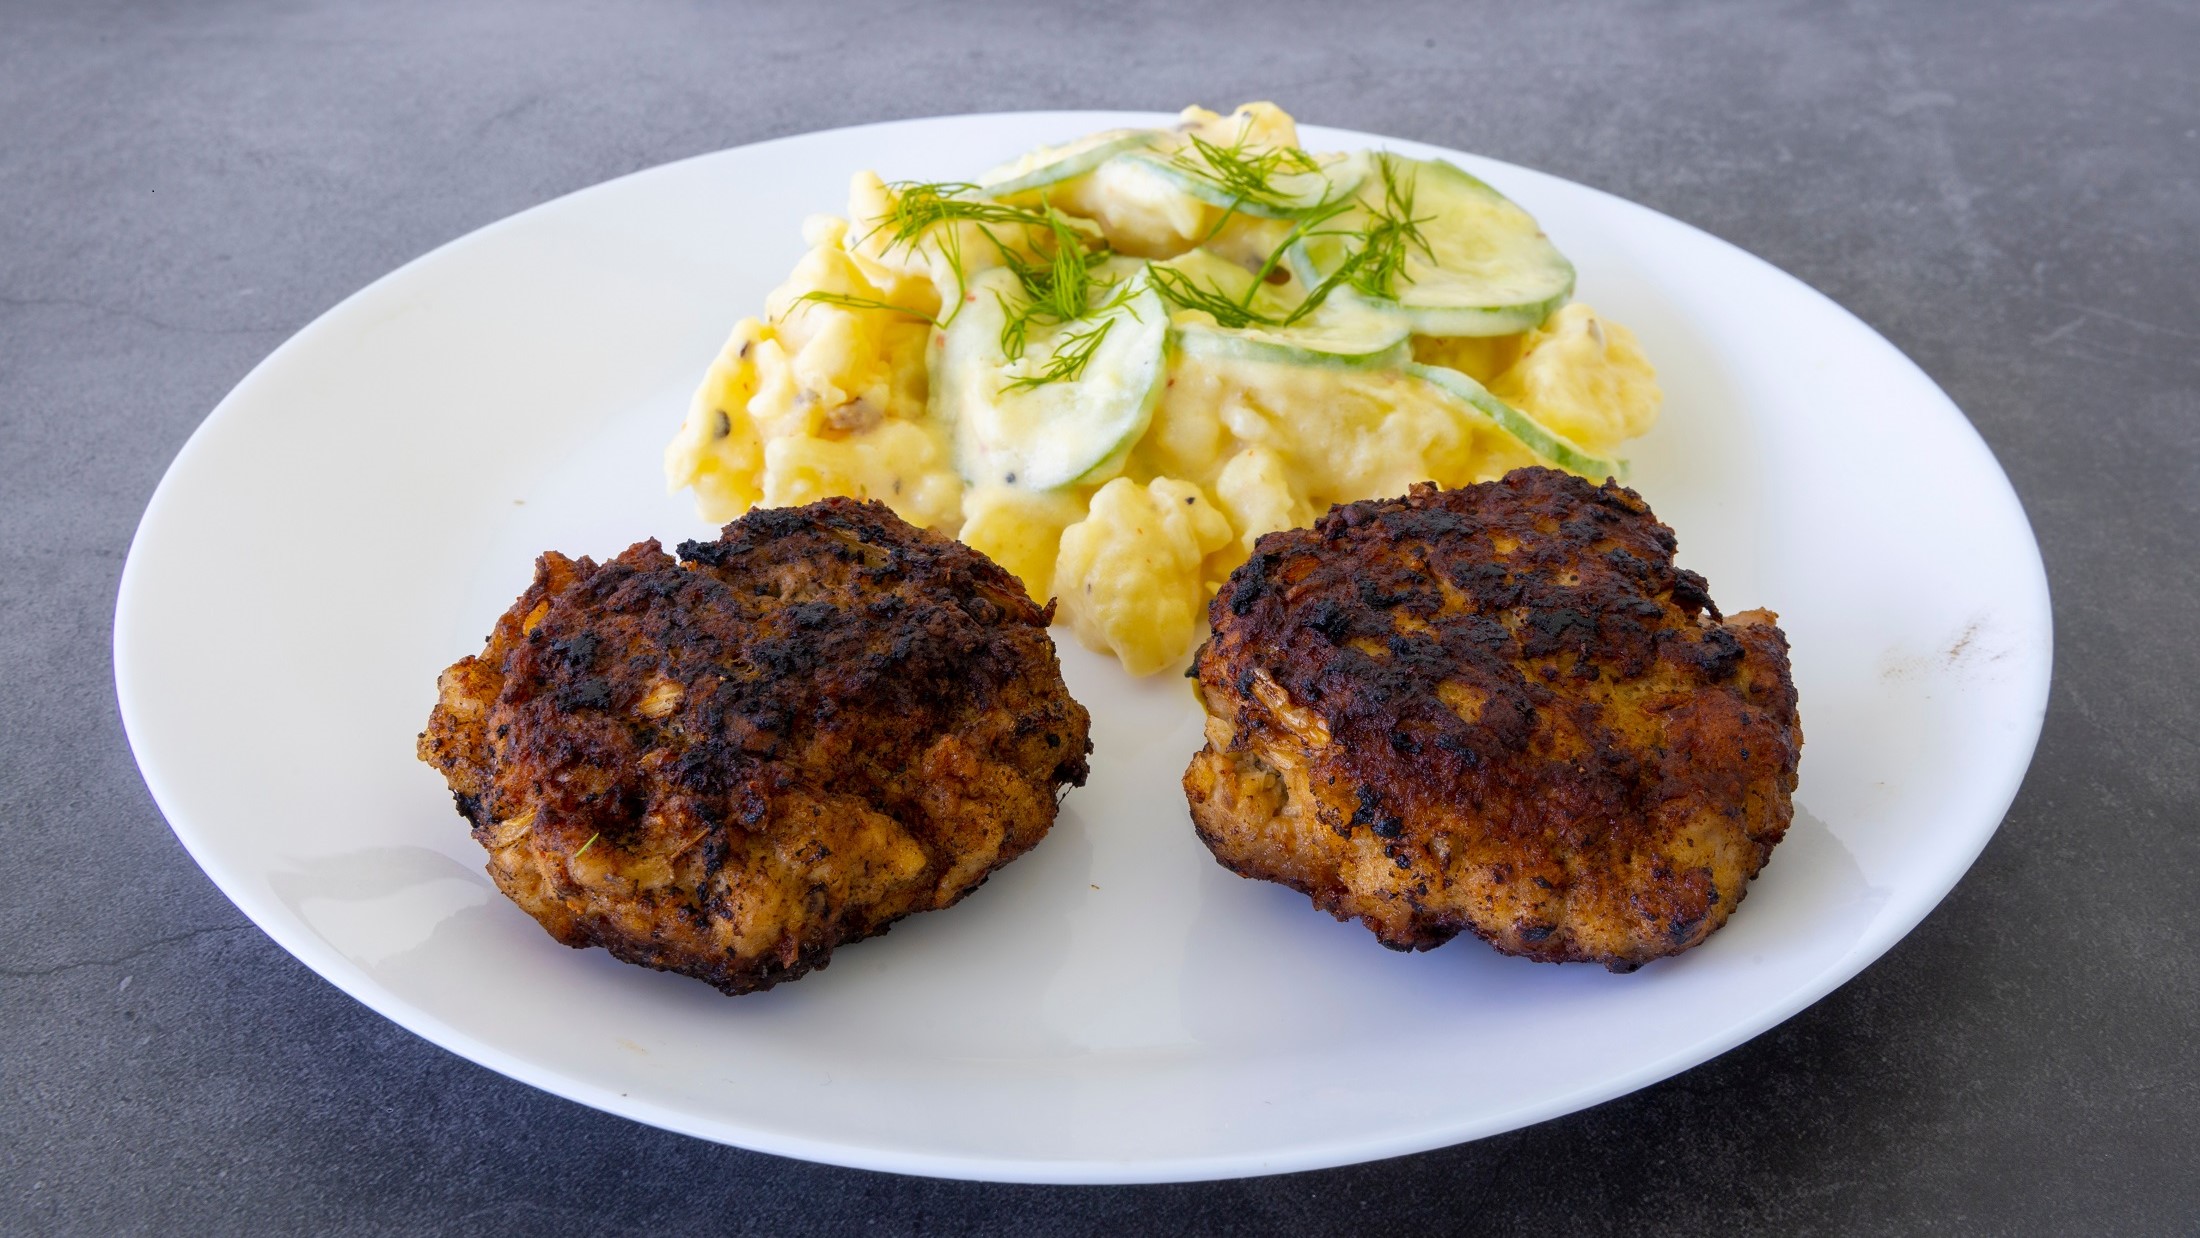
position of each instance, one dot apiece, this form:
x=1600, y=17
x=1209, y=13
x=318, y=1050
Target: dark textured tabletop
x=2009, y=193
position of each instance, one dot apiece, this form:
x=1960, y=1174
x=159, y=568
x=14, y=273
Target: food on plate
x=1501, y=710
x=729, y=764
x=1049, y=361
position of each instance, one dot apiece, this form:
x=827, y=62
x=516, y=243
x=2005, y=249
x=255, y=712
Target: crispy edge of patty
x=1499, y=710
x=847, y=634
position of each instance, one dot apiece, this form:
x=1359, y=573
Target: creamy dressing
x=1131, y=491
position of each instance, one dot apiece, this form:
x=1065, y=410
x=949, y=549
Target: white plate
x=1115, y=1006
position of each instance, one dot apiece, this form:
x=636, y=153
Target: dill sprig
x=1072, y=354
x=1243, y=311
x=1019, y=319
x=1073, y=350
x=1246, y=174
x=1209, y=299
x=922, y=205
x=1055, y=287
x=1392, y=234
x=1373, y=262
x=1309, y=225
x=1057, y=290
x=850, y=301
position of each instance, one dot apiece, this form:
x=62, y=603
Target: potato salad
x=1113, y=365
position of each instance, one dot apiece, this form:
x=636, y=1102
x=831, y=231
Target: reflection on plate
x=1113, y=1007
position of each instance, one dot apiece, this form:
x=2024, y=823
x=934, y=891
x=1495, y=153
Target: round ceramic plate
x=1114, y=1006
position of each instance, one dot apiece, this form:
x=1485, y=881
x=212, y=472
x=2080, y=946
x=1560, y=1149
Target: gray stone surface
x=2010, y=193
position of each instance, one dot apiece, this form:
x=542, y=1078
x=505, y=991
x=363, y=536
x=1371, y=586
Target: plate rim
x=324, y=960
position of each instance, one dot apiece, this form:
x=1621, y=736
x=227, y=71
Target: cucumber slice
x=1336, y=335
x=1546, y=444
x=1047, y=436
x=1356, y=345
x=1051, y=165
x=1488, y=269
x=1283, y=193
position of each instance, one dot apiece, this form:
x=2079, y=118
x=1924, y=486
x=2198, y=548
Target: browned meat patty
x=729, y=765
x=1498, y=710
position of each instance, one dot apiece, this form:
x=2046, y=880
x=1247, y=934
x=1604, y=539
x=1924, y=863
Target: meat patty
x=1500, y=710
x=729, y=765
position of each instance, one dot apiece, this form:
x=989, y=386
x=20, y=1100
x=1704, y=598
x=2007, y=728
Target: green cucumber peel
x=1053, y=165
x=1541, y=441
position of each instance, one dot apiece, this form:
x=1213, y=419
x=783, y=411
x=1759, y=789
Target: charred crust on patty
x=1499, y=710
x=729, y=764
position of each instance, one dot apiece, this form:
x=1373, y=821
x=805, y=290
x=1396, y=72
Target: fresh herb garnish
x=1210, y=299
x=1072, y=353
x=919, y=207
x=850, y=301
x=1374, y=259
x=1053, y=270
x=923, y=205
x=1246, y=174
x=1391, y=235
x=1055, y=289
x=1242, y=311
